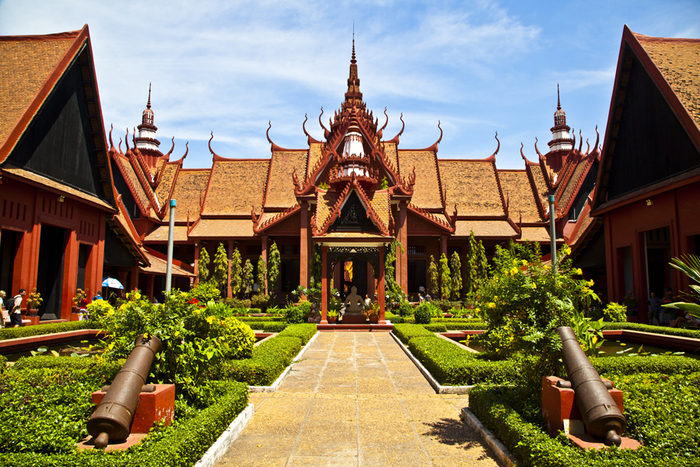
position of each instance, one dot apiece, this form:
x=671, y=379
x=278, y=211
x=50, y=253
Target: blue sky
x=479, y=67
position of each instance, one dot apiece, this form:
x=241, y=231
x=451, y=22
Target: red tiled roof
x=472, y=186
x=160, y=234
x=679, y=63
x=207, y=228
x=519, y=195
x=236, y=186
x=166, y=182
x=280, y=188
x=189, y=192
x=29, y=67
x=426, y=191
x=534, y=234
x=485, y=229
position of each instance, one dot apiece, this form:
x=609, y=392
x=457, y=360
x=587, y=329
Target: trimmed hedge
x=693, y=333
x=662, y=364
x=662, y=411
x=452, y=365
x=40, y=329
x=182, y=444
x=274, y=327
x=259, y=319
x=406, y=332
x=269, y=358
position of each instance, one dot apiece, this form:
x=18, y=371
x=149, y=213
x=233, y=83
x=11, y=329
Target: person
x=97, y=297
x=367, y=300
x=686, y=318
x=83, y=309
x=654, y=307
x=16, y=311
x=5, y=314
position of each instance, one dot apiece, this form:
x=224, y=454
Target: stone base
x=353, y=319
x=156, y=406
x=560, y=410
x=133, y=439
x=586, y=441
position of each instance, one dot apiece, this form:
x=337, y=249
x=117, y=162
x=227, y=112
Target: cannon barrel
x=112, y=418
x=601, y=415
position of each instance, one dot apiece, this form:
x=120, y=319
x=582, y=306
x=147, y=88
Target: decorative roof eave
x=81, y=39
x=134, y=155
x=529, y=167
x=395, y=139
x=371, y=212
x=589, y=160
x=504, y=201
x=121, y=158
x=166, y=159
x=143, y=167
x=632, y=39
x=273, y=146
x=260, y=227
x=310, y=139
x=132, y=235
x=80, y=44
x=429, y=216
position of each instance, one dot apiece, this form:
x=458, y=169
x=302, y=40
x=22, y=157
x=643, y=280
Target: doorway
x=49, y=283
x=9, y=242
x=657, y=245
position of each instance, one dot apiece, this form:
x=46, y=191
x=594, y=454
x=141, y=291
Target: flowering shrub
x=523, y=302
x=616, y=313
x=194, y=335
x=630, y=301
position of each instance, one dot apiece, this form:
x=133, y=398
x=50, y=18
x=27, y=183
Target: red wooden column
x=443, y=246
x=70, y=275
x=380, y=291
x=196, y=263
x=149, y=286
x=402, y=253
x=324, y=284
x=304, y=246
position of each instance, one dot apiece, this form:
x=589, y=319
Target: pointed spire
x=148, y=106
x=558, y=101
x=353, y=96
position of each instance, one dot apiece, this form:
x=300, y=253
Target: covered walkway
x=356, y=399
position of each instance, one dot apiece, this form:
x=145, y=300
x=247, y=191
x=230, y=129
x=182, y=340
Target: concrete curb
x=499, y=450
x=221, y=445
x=437, y=386
x=279, y=380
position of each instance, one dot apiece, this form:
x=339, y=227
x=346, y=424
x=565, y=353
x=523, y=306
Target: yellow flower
x=534, y=285
x=513, y=271
x=492, y=305
x=210, y=319
x=524, y=263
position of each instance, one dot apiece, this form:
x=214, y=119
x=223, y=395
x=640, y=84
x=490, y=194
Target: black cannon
x=112, y=418
x=601, y=415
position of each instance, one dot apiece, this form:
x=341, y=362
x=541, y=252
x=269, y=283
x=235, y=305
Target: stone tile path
x=356, y=400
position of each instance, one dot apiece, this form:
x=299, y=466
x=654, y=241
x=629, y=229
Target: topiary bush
x=423, y=314
x=405, y=308
x=296, y=314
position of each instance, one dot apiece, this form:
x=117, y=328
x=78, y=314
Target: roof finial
x=148, y=106
x=558, y=101
x=353, y=43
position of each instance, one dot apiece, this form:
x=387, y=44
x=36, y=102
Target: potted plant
x=372, y=312
x=80, y=295
x=630, y=301
x=33, y=302
x=332, y=316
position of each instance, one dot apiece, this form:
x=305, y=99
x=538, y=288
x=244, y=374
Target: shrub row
x=661, y=364
x=40, y=329
x=448, y=363
x=693, y=333
x=269, y=358
x=669, y=436
x=182, y=444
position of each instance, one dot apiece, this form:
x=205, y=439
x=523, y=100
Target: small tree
x=445, y=279
x=394, y=293
x=433, y=277
x=482, y=264
x=236, y=270
x=456, y=270
x=472, y=279
x=247, y=278
x=273, y=271
x=203, y=266
x=220, y=276
x=262, y=275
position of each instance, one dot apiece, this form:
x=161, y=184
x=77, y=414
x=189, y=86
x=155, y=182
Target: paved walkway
x=355, y=399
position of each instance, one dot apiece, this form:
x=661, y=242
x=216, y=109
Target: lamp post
x=169, y=264
x=553, y=233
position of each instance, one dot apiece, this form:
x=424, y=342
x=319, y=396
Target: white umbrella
x=112, y=283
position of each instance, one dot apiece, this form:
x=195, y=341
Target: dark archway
x=49, y=282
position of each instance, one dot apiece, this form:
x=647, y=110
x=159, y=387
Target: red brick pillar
x=196, y=263
x=380, y=284
x=402, y=253
x=304, y=246
x=324, y=284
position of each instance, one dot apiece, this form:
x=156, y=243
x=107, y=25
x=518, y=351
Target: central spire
x=353, y=96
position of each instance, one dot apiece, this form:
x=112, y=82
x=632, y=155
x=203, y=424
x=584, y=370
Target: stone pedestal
x=156, y=406
x=561, y=413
